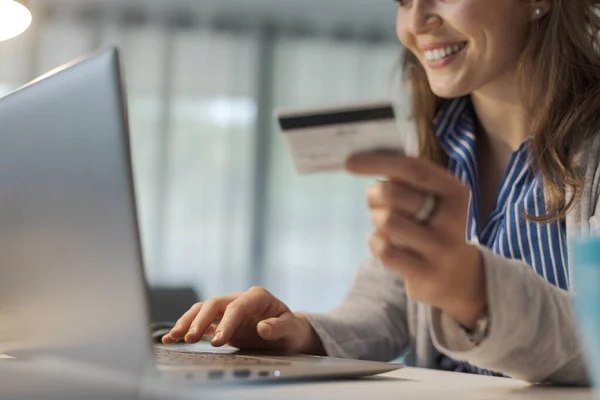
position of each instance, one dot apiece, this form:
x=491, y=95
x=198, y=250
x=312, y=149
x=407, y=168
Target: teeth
x=438, y=54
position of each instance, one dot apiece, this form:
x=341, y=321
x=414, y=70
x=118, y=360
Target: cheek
x=399, y=25
x=468, y=22
x=403, y=33
x=497, y=31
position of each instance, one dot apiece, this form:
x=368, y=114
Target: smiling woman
x=15, y=18
x=514, y=52
x=471, y=268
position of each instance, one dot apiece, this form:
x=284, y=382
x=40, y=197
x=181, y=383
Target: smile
x=444, y=52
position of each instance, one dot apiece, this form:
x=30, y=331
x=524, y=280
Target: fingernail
x=217, y=336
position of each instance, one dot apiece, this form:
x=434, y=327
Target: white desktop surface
x=403, y=384
x=409, y=384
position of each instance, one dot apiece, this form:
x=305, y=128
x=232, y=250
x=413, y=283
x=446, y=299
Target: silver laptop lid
x=71, y=279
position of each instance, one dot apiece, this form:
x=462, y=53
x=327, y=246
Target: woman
x=506, y=100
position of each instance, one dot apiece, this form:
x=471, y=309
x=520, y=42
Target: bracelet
x=482, y=328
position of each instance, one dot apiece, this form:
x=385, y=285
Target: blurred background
x=220, y=204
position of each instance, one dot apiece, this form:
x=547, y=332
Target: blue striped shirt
x=506, y=231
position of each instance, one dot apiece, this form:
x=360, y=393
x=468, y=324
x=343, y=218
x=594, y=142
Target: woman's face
x=465, y=45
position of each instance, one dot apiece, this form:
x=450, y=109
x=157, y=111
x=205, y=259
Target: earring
x=538, y=12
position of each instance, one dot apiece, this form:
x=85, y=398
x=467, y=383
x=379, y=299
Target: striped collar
x=455, y=129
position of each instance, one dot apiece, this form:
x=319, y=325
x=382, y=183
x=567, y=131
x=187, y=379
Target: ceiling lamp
x=15, y=18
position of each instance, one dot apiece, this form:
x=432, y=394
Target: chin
x=446, y=91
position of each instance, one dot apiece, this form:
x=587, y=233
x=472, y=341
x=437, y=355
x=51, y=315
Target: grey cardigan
x=532, y=330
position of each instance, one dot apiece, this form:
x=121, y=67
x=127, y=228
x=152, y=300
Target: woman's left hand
x=433, y=257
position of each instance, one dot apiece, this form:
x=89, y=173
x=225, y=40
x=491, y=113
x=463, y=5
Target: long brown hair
x=559, y=73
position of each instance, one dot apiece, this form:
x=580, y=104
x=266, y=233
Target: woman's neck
x=502, y=128
x=500, y=112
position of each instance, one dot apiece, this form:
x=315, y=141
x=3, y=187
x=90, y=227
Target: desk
x=404, y=384
x=409, y=384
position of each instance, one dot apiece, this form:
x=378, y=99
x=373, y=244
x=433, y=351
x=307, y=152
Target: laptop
x=73, y=282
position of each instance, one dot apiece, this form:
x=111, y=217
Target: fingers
x=396, y=196
x=211, y=310
x=255, y=302
x=231, y=312
x=193, y=325
x=420, y=174
x=212, y=328
x=449, y=216
x=277, y=328
x=403, y=261
x=210, y=331
x=405, y=232
x=182, y=326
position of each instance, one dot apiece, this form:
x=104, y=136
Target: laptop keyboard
x=178, y=358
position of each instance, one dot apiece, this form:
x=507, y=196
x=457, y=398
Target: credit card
x=321, y=140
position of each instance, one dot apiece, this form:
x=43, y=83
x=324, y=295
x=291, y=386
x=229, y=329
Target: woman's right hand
x=255, y=320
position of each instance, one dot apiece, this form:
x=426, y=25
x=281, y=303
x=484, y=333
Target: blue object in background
x=586, y=279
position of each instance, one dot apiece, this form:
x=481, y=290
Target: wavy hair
x=559, y=73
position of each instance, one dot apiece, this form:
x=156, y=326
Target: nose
x=423, y=17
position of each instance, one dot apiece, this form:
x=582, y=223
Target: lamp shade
x=15, y=18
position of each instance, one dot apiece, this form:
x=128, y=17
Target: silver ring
x=423, y=216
